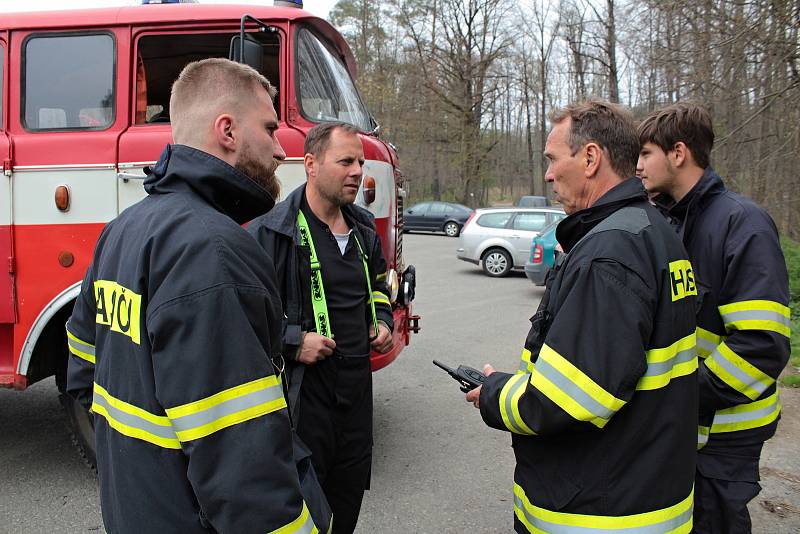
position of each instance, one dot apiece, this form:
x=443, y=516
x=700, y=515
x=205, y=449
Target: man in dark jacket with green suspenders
x=603, y=407
x=743, y=319
x=332, y=280
x=173, y=335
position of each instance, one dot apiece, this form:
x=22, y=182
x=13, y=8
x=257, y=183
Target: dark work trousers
x=334, y=418
x=725, y=481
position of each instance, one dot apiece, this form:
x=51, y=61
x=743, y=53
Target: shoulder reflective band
x=572, y=390
x=318, y=302
x=676, y=519
x=664, y=364
x=302, y=525
x=746, y=416
x=756, y=315
x=134, y=422
x=737, y=372
x=80, y=348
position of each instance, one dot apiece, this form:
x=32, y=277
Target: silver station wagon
x=499, y=239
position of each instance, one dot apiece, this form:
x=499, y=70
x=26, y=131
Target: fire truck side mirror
x=253, y=52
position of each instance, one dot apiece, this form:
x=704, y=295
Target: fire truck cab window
x=68, y=82
x=326, y=91
x=161, y=58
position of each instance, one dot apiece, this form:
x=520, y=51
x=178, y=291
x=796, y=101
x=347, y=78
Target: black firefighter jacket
x=278, y=234
x=603, y=408
x=170, y=342
x=743, y=325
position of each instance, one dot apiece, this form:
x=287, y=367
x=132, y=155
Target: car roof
x=551, y=209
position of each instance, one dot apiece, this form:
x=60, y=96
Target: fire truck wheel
x=81, y=428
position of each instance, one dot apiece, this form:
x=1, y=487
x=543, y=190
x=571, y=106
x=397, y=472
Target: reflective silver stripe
x=572, y=390
x=656, y=528
x=655, y=369
x=721, y=419
x=756, y=315
x=83, y=347
x=232, y=406
x=743, y=377
x=705, y=344
x=133, y=421
x=522, y=383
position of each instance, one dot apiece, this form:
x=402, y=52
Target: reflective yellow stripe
x=702, y=436
x=379, y=297
x=132, y=421
x=525, y=363
x=302, y=525
x=381, y=277
x=80, y=348
x=679, y=359
x=509, y=404
x=572, y=390
x=675, y=519
x=706, y=342
x=746, y=416
x=757, y=315
x=738, y=373
x=227, y=408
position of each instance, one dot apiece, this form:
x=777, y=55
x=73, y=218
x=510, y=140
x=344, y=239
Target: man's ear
x=593, y=155
x=225, y=132
x=308, y=163
x=679, y=154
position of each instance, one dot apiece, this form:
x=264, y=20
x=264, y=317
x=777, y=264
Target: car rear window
x=530, y=222
x=495, y=220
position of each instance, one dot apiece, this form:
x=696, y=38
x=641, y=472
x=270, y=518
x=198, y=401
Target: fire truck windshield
x=326, y=92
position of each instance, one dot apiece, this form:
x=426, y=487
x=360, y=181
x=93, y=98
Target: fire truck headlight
x=394, y=285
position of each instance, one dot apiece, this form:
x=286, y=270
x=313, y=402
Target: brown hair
x=320, y=135
x=609, y=125
x=209, y=87
x=684, y=122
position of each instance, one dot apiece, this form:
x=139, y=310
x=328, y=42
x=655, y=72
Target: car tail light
x=538, y=252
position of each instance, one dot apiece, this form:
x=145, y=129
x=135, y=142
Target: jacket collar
x=182, y=168
x=283, y=218
x=577, y=225
x=685, y=211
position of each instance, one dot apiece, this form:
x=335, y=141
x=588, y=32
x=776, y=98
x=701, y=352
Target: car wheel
x=452, y=229
x=497, y=262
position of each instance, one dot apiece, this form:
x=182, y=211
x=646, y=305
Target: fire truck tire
x=81, y=427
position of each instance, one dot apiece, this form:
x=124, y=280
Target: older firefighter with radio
x=602, y=408
x=743, y=320
x=332, y=280
x=172, y=335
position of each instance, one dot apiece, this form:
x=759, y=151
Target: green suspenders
x=320, y=305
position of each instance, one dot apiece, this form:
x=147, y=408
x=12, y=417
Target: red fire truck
x=84, y=107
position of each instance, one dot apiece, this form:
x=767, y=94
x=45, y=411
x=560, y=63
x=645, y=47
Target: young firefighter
x=743, y=320
x=176, y=323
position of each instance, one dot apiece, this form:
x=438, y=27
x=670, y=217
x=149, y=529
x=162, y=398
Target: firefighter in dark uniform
x=178, y=317
x=743, y=321
x=602, y=408
x=332, y=279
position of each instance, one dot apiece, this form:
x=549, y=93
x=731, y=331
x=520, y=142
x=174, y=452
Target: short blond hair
x=206, y=88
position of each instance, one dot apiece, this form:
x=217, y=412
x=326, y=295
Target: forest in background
x=463, y=87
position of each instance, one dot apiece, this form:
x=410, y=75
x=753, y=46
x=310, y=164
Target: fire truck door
x=7, y=310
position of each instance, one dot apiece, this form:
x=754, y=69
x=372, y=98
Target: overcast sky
x=320, y=8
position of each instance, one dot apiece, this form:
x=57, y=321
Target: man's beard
x=263, y=175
